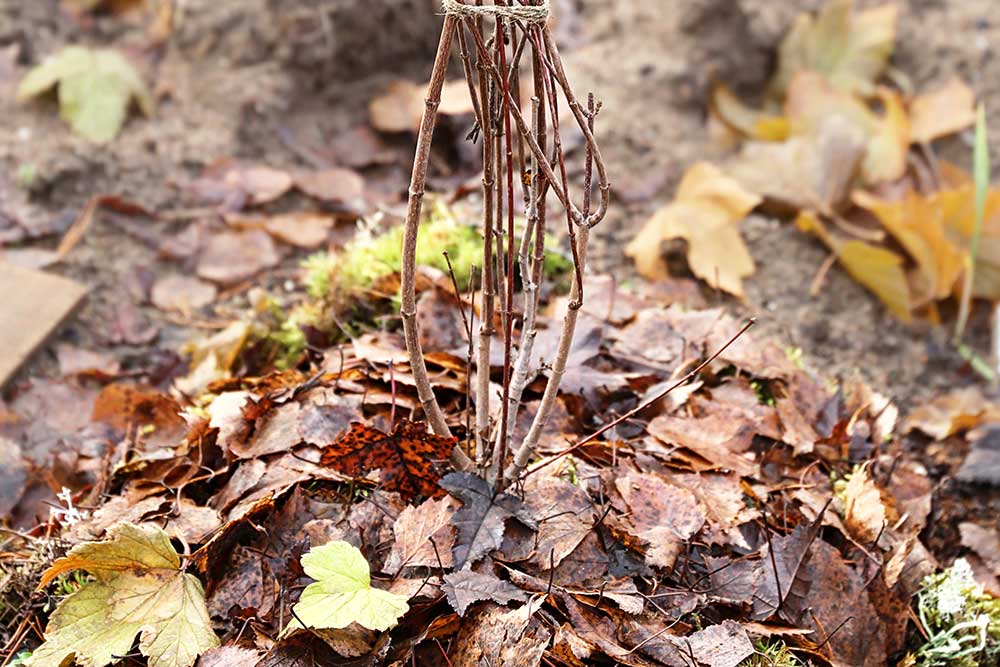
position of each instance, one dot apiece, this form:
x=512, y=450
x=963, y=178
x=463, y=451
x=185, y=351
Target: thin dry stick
x=642, y=406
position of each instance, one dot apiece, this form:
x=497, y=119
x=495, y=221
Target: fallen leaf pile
x=852, y=157
x=756, y=507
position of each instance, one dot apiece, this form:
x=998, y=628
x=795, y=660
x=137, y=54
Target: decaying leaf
x=139, y=588
x=722, y=645
x=497, y=636
x=410, y=458
x=664, y=515
x=482, y=519
x=95, y=89
x=705, y=213
x=954, y=412
x=850, y=48
x=780, y=569
x=415, y=529
x=230, y=257
x=466, y=587
x=342, y=593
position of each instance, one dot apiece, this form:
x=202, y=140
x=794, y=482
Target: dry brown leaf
x=497, y=636
x=851, y=49
x=812, y=100
x=564, y=513
x=722, y=645
x=664, y=515
x=805, y=171
x=706, y=211
x=953, y=413
x=864, y=512
x=231, y=257
x=401, y=106
x=943, y=111
x=184, y=294
x=301, y=229
x=337, y=185
x=424, y=536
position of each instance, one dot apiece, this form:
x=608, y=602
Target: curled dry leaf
x=864, y=512
x=875, y=267
x=943, y=111
x=497, y=636
x=706, y=211
x=952, y=413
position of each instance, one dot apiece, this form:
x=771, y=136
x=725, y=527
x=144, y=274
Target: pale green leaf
x=95, y=89
x=140, y=590
x=342, y=593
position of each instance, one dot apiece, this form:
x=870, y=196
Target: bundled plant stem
x=519, y=28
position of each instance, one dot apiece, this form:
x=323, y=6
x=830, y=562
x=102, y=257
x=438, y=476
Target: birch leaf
x=343, y=593
x=139, y=589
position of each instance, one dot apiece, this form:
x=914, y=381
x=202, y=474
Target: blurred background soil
x=280, y=82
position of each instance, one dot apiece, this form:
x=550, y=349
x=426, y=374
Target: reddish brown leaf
x=342, y=186
x=722, y=645
x=410, y=458
x=231, y=257
x=154, y=416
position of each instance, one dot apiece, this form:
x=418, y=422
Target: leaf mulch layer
x=758, y=502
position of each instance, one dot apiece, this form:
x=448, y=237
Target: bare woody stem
x=408, y=310
x=531, y=268
x=486, y=315
x=549, y=397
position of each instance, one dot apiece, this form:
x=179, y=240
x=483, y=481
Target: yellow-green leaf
x=139, y=590
x=343, y=593
x=95, y=89
x=850, y=49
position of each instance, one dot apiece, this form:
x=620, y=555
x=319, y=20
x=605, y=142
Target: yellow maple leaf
x=850, y=49
x=938, y=113
x=708, y=206
x=877, y=268
x=139, y=589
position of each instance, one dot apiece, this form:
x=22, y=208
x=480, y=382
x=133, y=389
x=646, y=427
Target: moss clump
x=961, y=621
x=773, y=654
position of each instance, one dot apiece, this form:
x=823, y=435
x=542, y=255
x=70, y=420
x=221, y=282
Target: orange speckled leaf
x=409, y=458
